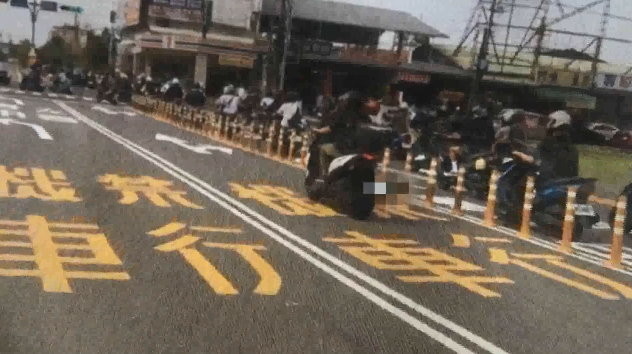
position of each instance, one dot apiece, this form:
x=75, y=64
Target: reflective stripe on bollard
x=489, y=219
x=569, y=221
x=431, y=188
x=458, y=192
x=529, y=196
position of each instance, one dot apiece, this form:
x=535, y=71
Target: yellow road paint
x=498, y=256
x=49, y=265
x=389, y=254
x=157, y=191
x=168, y=229
x=624, y=290
x=574, y=284
x=460, y=241
x=492, y=240
x=36, y=183
x=224, y=230
x=270, y=281
x=501, y=256
x=404, y=211
x=282, y=200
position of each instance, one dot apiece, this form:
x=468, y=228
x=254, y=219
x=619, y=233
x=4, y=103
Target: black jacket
x=557, y=158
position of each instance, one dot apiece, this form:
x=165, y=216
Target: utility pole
x=111, y=43
x=481, y=61
x=286, y=15
x=34, y=8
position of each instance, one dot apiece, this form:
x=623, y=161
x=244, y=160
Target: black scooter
x=348, y=184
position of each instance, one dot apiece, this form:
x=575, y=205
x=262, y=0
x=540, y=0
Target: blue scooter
x=549, y=205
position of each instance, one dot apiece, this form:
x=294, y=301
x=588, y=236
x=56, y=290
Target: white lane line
x=533, y=240
x=89, y=99
x=603, y=255
x=53, y=95
x=225, y=201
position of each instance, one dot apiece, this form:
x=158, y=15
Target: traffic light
x=75, y=9
x=48, y=6
x=20, y=3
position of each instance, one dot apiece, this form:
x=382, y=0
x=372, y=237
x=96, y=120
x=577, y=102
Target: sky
x=448, y=16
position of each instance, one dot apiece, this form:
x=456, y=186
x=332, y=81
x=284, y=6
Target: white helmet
x=558, y=119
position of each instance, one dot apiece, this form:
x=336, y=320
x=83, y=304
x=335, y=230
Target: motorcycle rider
x=338, y=129
x=174, y=92
x=557, y=157
x=196, y=96
x=291, y=111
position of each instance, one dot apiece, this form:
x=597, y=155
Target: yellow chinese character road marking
x=404, y=211
x=156, y=190
x=397, y=255
x=282, y=200
x=502, y=257
x=24, y=183
x=36, y=234
x=460, y=241
x=270, y=281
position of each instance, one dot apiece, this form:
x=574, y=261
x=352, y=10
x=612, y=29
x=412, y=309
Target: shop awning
x=354, y=15
x=572, y=99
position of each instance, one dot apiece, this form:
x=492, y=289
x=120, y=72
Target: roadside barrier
x=618, y=231
x=569, y=221
x=431, y=188
x=281, y=143
x=459, y=191
x=408, y=166
x=489, y=218
x=527, y=207
x=262, y=139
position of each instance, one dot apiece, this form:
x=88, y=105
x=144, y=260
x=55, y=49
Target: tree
x=57, y=53
x=20, y=51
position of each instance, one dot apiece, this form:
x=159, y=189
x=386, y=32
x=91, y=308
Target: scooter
x=549, y=205
x=627, y=192
x=348, y=184
x=109, y=96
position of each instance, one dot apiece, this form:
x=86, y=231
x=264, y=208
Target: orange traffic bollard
x=409, y=162
x=458, y=192
x=386, y=160
x=270, y=140
x=489, y=219
x=569, y=221
x=529, y=196
x=304, y=150
x=618, y=230
x=292, y=148
x=431, y=188
x=281, y=142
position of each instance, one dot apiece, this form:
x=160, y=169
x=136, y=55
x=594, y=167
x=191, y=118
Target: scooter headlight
x=480, y=164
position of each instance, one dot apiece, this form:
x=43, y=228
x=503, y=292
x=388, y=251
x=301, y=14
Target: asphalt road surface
x=123, y=234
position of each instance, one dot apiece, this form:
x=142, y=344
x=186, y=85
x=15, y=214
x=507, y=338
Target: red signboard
x=414, y=78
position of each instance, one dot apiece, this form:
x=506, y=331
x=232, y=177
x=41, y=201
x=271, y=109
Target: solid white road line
x=240, y=210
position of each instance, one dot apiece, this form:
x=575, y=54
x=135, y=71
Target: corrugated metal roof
x=355, y=15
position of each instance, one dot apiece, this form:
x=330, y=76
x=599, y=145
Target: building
x=164, y=38
x=75, y=36
x=336, y=47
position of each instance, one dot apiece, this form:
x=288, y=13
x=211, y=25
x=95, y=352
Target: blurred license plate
x=584, y=210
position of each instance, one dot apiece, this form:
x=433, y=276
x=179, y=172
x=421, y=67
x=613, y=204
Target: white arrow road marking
x=200, y=149
x=52, y=115
x=112, y=112
x=57, y=119
x=36, y=93
x=12, y=107
x=4, y=113
x=39, y=130
x=11, y=99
